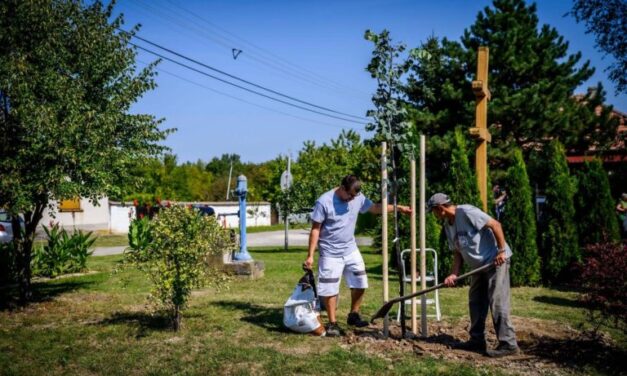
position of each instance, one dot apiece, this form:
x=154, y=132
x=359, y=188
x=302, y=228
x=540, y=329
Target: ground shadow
x=577, y=353
x=555, y=300
x=142, y=322
x=269, y=318
x=42, y=292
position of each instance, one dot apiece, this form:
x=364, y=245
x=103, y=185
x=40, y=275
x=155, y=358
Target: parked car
x=205, y=210
x=6, y=228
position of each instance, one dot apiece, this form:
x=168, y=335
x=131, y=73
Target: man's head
x=624, y=196
x=439, y=204
x=350, y=187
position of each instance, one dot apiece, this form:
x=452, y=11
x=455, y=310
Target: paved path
x=259, y=239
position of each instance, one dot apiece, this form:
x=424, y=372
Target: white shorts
x=331, y=269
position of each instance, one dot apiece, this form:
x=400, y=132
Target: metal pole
x=242, y=190
x=228, y=185
x=412, y=223
x=384, y=232
x=423, y=238
x=288, y=195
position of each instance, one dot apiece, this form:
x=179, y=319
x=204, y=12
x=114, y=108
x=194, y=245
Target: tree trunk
x=177, y=318
x=23, y=242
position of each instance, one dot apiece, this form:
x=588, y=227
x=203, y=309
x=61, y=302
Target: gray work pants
x=490, y=289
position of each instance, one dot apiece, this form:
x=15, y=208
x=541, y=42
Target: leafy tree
x=558, y=235
x=594, y=205
x=606, y=20
x=174, y=251
x=67, y=81
x=462, y=189
x=519, y=225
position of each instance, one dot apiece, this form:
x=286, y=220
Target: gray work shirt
x=468, y=234
x=338, y=219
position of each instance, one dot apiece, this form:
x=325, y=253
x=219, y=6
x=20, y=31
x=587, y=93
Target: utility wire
x=244, y=100
x=193, y=26
x=278, y=59
x=240, y=79
x=242, y=87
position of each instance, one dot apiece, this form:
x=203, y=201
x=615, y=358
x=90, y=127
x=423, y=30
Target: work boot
x=471, y=345
x=503, y=349
x=333, y=330
x=355, y=320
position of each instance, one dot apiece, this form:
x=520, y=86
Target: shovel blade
x=382, y=312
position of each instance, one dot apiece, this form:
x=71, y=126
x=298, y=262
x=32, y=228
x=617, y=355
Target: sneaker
x=333, y=330
x=355, y=320
x=471, y=345
x=503, y=350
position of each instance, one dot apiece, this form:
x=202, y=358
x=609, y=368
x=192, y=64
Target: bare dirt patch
x=547, y=347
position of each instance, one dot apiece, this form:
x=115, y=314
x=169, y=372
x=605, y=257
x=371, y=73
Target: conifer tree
x=462, y=189
x=519, y=225
x=559, y=245
x=595, y=208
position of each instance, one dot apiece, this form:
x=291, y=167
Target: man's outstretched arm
x=378, y=209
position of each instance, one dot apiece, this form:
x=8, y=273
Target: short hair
x=350, y=182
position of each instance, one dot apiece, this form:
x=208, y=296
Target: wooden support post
x=384, y=231
x=412, y=226
x=480, y=131
x=423, y=240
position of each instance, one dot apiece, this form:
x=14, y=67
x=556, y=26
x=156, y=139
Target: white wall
x=91, y=217
x=258, y=214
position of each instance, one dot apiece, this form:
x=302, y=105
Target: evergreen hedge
x=596, y=218
x=519, y=224
x=559, y=246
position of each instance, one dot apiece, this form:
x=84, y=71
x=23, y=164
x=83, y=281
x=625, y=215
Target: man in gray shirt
x=478, y=239
x=333, y=232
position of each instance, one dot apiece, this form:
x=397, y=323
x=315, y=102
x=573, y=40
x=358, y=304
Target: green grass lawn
x=101, y=323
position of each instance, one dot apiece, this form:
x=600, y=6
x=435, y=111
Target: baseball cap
x=437, y=199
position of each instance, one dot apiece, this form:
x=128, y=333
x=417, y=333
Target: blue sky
x=312, y=50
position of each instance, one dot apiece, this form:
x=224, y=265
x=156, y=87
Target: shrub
x=520, y=225
x=8, y=266
x=595, y=207
x=559, y=246
x=174, y=250
x=604, y=281
x=63, y=253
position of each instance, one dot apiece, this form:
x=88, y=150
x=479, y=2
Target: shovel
x=387, y=306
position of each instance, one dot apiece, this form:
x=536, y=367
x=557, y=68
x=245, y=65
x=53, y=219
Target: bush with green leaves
x=596, y=218
x=559, y=246
x=174, y=250
x=519, y=224
x=63, y=253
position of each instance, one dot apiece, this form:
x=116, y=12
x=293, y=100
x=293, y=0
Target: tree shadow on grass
x=269, y=318
x=577, y=353
x=555, y=300
x=141, y=322
x=42, y=292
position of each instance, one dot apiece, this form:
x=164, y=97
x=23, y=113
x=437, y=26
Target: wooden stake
x=384, y=230
x=423, y=240
x=412, y=221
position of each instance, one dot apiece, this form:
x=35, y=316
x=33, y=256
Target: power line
x=240, y=79
x=246, y=101
x=242, y=87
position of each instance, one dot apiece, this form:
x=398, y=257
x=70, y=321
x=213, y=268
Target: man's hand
x=404, y=209
x=308, y=264
x=450, y=280
x=500, y=258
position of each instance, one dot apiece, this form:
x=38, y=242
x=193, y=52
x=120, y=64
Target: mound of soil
x=546, y=347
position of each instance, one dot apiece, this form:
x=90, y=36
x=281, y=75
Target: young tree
x=606, y=20
x=559, y=246
x=594, y=205
x=174, y=249
x=67, y=81
x=519, y=225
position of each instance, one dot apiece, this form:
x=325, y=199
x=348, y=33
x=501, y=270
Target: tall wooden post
x=480, y=131
x=384, y=231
